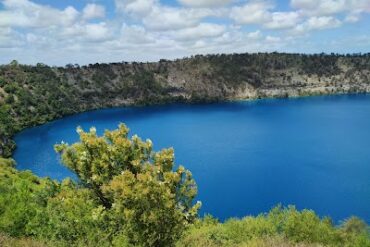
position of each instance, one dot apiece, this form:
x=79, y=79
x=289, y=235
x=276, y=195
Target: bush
x=280, y=227
x=151, y=203
x=22, y=196
x=72, y=218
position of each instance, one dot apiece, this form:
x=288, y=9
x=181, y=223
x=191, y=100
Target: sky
x=57, y=32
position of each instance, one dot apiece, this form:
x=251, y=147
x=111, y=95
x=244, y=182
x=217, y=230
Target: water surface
x=245, y=156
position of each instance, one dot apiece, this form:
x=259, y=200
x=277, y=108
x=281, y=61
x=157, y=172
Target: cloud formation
x=93, y=11
x=205, y=3
x=153, y=29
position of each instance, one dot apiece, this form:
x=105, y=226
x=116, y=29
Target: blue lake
x=245, y=156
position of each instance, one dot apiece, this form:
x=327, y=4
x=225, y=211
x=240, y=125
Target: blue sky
x=88, y=31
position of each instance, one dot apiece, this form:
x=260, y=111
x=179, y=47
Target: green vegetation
x=129, y=195
x=279, y=227
x=136, y=187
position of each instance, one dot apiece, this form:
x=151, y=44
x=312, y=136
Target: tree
x=14, y=63
x=354, y=225
x=151, y=203
x=22, y=195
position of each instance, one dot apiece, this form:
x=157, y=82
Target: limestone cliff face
x=238, y=76
x=32, y=95
x=6, y=145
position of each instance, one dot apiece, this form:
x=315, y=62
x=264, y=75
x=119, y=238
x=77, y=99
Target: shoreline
x=190, y=102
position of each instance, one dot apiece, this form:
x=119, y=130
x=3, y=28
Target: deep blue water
x=245, y=156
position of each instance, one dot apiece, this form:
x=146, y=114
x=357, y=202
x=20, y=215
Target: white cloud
x=252, y=13
x=203, y=30
x=283, y=20
x=91, y=32
x=9, y=18
x=352, y=17
x=238, y=41
x=24, y=13
x=309, y=14
x=40, y=41
x=152, y=29
x=163, y=18
x=136, y=7
x=93, y=11
x=9, y=38
x=255, y=35
x=272, y=39
x=320, y=7
x=97, y=31
x=323, y=22
x=317, y=23
x=155, y=16
x=330, y=7
x=135, y=35
x=204, y=3
x=31, y=38
x=261, y=13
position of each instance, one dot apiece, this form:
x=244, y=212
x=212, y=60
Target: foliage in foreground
x=280, y=227
x=133, y=185
x=129, y=195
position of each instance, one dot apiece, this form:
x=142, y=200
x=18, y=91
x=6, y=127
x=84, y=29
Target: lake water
x=245, y=156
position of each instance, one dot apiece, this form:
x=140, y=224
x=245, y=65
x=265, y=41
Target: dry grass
x=276, y=242
x=6, y=241
x=258, y=242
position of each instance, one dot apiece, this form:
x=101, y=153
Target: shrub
x=151, y=203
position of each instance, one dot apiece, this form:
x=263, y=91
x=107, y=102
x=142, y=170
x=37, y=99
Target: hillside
x=32, y=95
